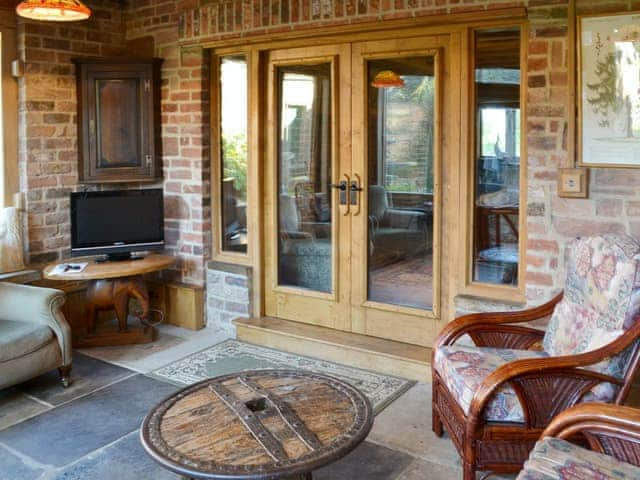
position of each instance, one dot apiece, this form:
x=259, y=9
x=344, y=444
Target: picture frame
x=608, y=89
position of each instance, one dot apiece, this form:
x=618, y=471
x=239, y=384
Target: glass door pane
x=304, y=176
x=401, y=102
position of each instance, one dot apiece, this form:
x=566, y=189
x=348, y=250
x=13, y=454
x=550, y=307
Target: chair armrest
x=26, y=303
x=547, y=386
x=495, y=322
x=398, y=218
x=597, y=421
x=295, y=235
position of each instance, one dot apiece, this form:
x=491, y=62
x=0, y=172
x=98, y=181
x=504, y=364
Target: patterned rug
x=233, y=356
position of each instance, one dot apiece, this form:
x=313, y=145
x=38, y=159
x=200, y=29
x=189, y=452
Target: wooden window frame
x=217, y=173
x=9, y=184
x=467, y=286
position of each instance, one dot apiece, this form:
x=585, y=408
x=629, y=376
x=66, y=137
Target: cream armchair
x=34, y=335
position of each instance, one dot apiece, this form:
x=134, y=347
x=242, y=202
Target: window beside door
x=233, y=92
x=496, y=159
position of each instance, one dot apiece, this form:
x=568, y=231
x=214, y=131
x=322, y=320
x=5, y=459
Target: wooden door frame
x=323, y=309
x=364, y=311
x=257, y=46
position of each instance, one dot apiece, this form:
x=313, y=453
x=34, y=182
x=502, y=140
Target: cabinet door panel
x=118, y=132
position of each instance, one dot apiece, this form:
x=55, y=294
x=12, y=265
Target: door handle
x=342, y=188
x=354, y=193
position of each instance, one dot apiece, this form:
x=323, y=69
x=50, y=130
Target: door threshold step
x=361, y=351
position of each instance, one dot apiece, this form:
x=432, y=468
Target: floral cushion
x=556, y=459
x=601, y=299
x=463, y=369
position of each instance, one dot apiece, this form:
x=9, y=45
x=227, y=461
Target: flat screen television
x=116, y=223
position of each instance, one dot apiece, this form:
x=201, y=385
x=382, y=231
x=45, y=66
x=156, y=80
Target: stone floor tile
x=122, y=460
x=15, y=407
x=87, y=375
x=406, y=425
x=66, y=433
x=423, y=470
x=369, y=461
x=15, y=468
x=172, y=343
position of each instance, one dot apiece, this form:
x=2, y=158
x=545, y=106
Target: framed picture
x=609, y=90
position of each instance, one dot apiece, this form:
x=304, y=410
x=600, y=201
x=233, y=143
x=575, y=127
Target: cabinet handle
x=149, y=160
x=147, y=85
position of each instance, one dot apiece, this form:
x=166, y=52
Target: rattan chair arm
x=569, y=365
x=586, y=417
x=484, y=321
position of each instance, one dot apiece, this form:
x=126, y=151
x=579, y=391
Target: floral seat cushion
x=463, y=368
x=601, y=300
x=556, y=459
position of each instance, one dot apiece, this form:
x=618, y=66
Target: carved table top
x=98, y=271
x=257, y=424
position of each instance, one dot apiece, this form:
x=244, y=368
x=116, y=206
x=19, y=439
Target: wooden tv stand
x=111, y=285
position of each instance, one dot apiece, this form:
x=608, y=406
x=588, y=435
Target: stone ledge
x=229, y=267
x=21, y=276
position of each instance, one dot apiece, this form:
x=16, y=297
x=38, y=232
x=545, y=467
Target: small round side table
x=111, y=284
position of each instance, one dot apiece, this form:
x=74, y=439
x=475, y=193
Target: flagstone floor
x=90, y=430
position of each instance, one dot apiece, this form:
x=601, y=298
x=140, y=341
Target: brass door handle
x=342, y=187
x=354, y=193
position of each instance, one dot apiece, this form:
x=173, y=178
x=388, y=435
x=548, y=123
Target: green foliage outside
x=409, y=135
x=234, y=160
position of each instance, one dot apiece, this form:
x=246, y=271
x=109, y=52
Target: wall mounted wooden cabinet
x=118, y=119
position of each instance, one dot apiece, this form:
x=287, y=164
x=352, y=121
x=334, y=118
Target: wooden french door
x=354, y=169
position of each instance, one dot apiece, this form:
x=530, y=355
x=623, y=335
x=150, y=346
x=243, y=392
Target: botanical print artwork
x=610, y=89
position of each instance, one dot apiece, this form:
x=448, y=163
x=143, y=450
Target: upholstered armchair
x=612, y=434
x=496, y=396
x=403, y=232
x=34, y=335
x=305, y=248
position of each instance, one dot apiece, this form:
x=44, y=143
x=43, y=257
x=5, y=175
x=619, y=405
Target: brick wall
x=47, y=150
x=185, y=132
x=228, y=295
x=174, y=29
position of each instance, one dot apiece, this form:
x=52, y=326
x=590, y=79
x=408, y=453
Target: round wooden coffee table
x=257, y=424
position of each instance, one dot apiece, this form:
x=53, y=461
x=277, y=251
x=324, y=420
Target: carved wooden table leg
x=114, y=294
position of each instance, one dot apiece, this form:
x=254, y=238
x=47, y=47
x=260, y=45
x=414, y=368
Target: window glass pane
x=497, y=158
x=304, y=177
x=233, y=152
x=400, y=180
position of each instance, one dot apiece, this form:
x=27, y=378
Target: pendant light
x=53, y=10
x=387, y=79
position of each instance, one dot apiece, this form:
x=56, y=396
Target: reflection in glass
x=304, y=176
x=233, y=152
x=497, y=165
x=400, y=178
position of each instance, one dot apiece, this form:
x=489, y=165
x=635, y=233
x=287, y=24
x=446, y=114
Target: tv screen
x=116, y=222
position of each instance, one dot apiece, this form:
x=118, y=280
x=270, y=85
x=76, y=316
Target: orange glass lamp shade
x=53, y=10
x=387, y=79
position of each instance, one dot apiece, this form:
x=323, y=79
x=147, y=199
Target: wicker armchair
x=612, y=434
x=496, y=397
